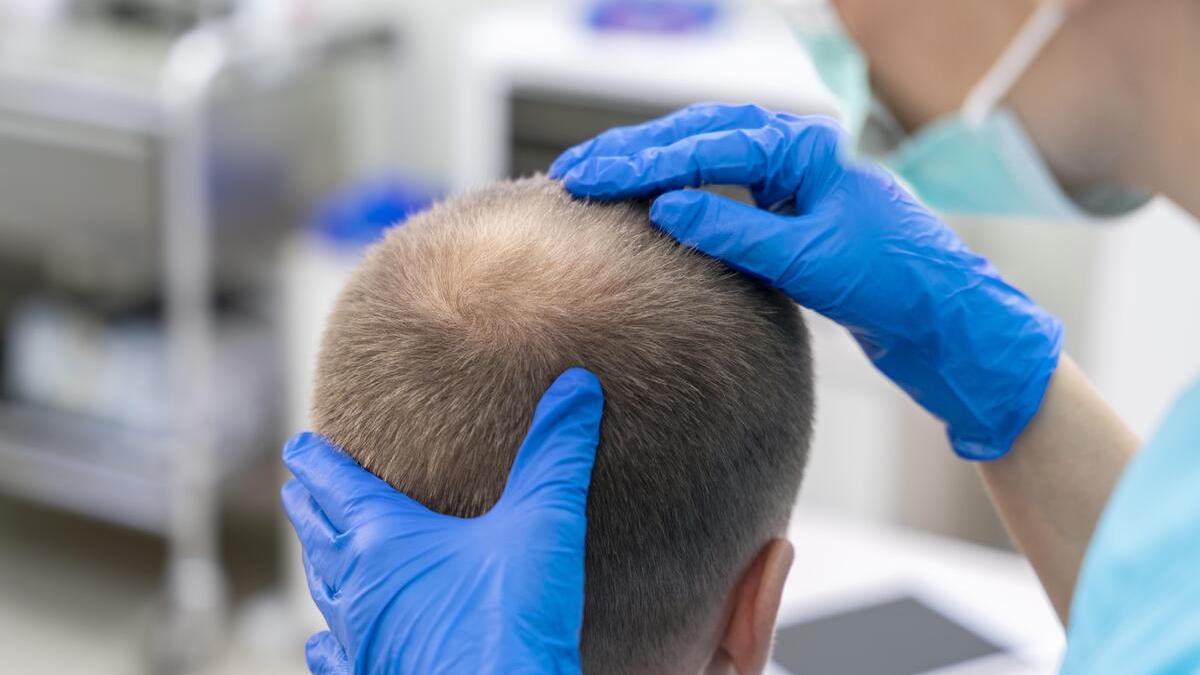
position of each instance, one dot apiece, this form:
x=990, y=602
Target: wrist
x=1006, y=351
x=980, y=361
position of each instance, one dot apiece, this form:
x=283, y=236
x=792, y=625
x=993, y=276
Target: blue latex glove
x=325, y=656
x=407, y=590
x=845, y=240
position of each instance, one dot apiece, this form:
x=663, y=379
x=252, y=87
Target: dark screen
x=898, y=637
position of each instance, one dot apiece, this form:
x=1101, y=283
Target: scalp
x=447, y=335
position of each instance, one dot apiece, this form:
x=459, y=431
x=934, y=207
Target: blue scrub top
x=1136, y=608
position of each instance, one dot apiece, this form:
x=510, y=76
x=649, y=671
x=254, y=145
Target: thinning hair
x=452, y=328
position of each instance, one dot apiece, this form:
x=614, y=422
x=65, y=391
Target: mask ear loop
x=995, y=84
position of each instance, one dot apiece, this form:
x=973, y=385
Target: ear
x=746, y=644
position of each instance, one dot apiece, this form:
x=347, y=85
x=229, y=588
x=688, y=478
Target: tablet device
x=902, y=636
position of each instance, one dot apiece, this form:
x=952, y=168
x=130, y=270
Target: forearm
x=1052, y=487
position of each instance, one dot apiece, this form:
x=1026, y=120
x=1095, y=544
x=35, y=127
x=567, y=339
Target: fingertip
x=575, y=393
x=560, y=166
x=575, y=179
x=292, y=492
x=297, y=444
x=677, y=199
x=308, y=450
x=324, y=656
x=676, y=211
x=581, y=393
x=576, y=379
x=603, y=178
x=569, y=158
x=559, y=449
x=556, y=169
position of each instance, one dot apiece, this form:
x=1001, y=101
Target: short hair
x=447, y=335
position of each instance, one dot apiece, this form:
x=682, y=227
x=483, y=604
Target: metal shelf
x=174, y=127
x=94, y=468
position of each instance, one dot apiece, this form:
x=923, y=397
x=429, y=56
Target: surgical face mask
x=978, y=160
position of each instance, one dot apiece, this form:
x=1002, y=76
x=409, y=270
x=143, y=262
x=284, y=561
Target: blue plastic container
x=362, y=213
x=653, y=16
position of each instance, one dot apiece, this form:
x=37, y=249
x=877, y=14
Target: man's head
x=450, y=331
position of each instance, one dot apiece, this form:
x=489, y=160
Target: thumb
x=325, y=656
x=555, y=460
x=759, y=243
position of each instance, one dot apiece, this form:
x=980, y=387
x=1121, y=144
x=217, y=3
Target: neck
x=1151, y=133
x=1172, y=106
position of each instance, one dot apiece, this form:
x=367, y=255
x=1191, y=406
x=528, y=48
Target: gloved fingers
x=325, y=656
x=554, y=463
x=317, y=535
x=773, y=160
x=694, y=119
x=764, y=245
x=323, y=594
x=339, y=485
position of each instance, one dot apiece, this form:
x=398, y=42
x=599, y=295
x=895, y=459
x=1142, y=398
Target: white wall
x=402, y=114
x=1146, y=303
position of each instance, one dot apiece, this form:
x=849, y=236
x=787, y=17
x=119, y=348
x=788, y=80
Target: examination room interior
x=186, y=184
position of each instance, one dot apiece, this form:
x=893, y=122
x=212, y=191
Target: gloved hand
x=407, y=590
x=851, y=244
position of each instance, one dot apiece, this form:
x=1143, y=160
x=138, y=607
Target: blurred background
x=184, y=184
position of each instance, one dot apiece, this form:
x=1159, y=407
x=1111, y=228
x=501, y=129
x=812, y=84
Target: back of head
x=453, y=327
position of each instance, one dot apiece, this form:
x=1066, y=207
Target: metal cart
x=169, y=169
